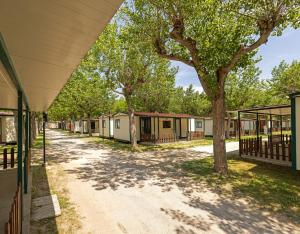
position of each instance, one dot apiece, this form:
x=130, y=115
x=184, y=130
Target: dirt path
x=122, y=192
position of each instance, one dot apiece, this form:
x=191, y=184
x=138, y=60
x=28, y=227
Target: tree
x=214, y=37
x=155, y=95
x=127, y=63
x=285, y=80
x=85, y=95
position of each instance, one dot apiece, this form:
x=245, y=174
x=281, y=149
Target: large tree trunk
x=220, y=160
x=81, y=126
x=132, y=126
x=133, y=139
x=89, y=125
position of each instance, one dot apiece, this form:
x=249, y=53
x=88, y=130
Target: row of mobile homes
x=81, y=126
x=7, y=128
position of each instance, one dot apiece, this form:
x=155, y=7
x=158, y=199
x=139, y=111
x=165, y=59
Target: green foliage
x=285, y=80
x=215, y=37
x=190, y=102
x=85, y=94
x=244, y=89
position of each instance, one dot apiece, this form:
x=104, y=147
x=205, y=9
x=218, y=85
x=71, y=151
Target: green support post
x=20, y=137
x=44, y=139
x=293, y=128
x=26, y=150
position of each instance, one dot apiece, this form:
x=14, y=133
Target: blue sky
x=286, y=47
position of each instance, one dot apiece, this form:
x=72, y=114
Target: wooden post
x=266, y=150
x=4, y=158
x=277, y=151
x=12, y=157
x=283, y=151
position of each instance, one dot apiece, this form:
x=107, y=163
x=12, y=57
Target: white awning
x=46, y=41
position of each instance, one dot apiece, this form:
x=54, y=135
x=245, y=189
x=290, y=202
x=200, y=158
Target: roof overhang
x=270, y=110
x=46, y=41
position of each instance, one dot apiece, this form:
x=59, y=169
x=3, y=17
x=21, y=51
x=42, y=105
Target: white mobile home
x=106, y=126
x=156, y=127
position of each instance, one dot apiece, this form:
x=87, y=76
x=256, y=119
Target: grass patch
x=38, y=142
x=272, y=187
x=116, y=145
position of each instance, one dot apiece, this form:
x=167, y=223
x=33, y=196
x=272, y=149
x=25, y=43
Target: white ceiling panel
x=46, y=41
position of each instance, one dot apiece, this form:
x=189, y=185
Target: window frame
x=169, y=125
x=117, y=123
x=199, y=122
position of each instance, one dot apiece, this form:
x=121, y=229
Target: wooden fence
x=165, y=138
x=275, y=148
x=8, y=158
x=196, y=135
x=14, y=224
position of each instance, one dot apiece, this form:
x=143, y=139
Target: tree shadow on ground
x=110, y=169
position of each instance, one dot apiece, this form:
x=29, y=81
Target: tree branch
x=161, y=50
x=266, y=26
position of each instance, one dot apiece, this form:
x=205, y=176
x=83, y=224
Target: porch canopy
x=280, y=111
x=42, y=42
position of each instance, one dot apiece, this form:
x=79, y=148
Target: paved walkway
x=122, y=192
x=230, y=147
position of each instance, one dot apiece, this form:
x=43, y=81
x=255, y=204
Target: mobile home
x=156, y=127
x=106, y=126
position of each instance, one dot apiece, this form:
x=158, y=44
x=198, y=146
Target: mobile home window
x=117, y=124
x=103, y=123
x=198, y=124
x=166, y=124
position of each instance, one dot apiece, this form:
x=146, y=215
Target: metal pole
x=20, y=148
x=20, y=137
x=281, y=136
x=44, y=139
x=239, y=129
x=257, y=132
x=271, y=126
x=26, y=150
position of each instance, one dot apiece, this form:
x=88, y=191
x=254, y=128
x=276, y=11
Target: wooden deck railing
x=8, y=158
x=196, y=135
x=274, y=148
x=165, y=138
x=14, y=224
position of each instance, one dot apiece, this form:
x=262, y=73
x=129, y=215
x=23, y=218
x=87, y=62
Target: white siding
x=104, y=131
x=208, y=127
x=123, y=132
x=192, y=126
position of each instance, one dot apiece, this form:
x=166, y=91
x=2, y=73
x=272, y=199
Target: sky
x=286, y=47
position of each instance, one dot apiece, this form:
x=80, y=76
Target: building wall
x=104, y=132
x=123, y=133
x=208, y=127
x=197, y=129
x=297, y=100
x=184, y=127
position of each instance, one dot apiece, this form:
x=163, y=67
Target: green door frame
x=293, y=129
